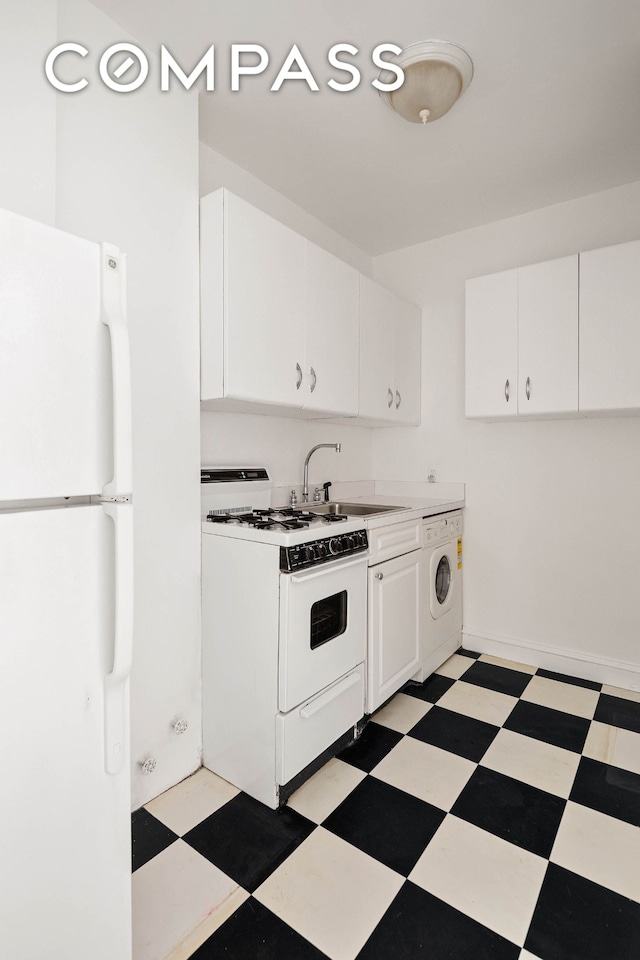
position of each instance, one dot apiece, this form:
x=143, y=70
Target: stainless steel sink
x=351, y=509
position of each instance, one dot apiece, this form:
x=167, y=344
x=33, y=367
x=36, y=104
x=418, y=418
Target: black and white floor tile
x=491, y=813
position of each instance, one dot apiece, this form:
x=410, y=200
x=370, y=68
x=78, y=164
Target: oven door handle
x=326, y=568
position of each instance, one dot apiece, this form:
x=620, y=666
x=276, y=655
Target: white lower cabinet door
x=65, y=864
x=394, y=626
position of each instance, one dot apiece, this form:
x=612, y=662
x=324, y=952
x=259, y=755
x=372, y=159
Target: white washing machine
x=441, y=626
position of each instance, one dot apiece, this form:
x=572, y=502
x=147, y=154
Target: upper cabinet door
x=331, y=369
x=408, y=334
x=491, y=346
x=548, y=337
x=610, y=329
x=265, y=307
x=377, y=351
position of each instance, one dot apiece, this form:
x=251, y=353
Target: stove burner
x=286, y=517
x=220, y=517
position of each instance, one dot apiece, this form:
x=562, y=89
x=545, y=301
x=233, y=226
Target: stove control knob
x=322, y=550
x=311, y=553
x=335, y=546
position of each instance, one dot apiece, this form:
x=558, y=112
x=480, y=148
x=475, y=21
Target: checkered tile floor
x=492, y=813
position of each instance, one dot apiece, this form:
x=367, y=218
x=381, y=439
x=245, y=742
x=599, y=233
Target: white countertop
x=412, y=508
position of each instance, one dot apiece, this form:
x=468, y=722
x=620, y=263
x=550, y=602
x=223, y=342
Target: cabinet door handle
x=299, y=372
x=398, y=399
x=314, y=379
x=506, y=390
x=390, y=395
x=527, y=388
x=379, y=576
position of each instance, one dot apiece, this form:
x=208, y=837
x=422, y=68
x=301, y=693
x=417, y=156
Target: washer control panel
x=444, y=528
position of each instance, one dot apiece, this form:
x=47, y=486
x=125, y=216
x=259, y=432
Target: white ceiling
x=551, y=114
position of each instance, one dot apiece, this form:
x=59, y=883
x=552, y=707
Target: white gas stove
x=284, y=618
x=237, y=503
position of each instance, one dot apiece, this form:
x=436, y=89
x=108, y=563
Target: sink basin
x=351, y=509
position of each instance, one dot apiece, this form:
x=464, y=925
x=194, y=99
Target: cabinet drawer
x=303, y=733
x=394, y=540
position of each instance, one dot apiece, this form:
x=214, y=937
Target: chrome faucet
x=305, y=488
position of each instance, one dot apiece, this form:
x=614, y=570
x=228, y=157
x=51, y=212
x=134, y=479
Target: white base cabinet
x=394, y=626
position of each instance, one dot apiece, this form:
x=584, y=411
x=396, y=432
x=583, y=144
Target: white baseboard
x=575, y=663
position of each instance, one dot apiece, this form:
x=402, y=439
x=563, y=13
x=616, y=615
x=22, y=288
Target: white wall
x=281, y=444
x=217, y=171
x=27, y=109
x=127, y=172
x=552, y=553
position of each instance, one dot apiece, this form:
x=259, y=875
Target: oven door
x=323, y=627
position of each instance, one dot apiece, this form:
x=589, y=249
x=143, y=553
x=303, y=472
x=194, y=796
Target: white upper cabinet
x=548, y=338
x=283, y=329
x=377, y=351
x=408, y=366
x=331, y=359
x=491, y=346
x=610, y=330
x=265, y=307
x=522, y=342
x=253, y=304
x=390, y=338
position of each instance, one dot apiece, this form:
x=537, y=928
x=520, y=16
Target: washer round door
x=441, y=576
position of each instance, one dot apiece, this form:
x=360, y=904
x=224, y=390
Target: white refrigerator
x=66, y=604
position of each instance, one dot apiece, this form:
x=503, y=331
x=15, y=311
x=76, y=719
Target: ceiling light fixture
x=436, y=74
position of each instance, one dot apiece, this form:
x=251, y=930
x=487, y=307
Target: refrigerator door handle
x=113, y=314
x=115, y=683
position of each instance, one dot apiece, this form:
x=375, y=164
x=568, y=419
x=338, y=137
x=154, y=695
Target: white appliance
x=284, y=599
x=441, y=590
x=65, y=597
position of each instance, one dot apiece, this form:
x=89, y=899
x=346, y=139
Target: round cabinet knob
x=379, y=576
